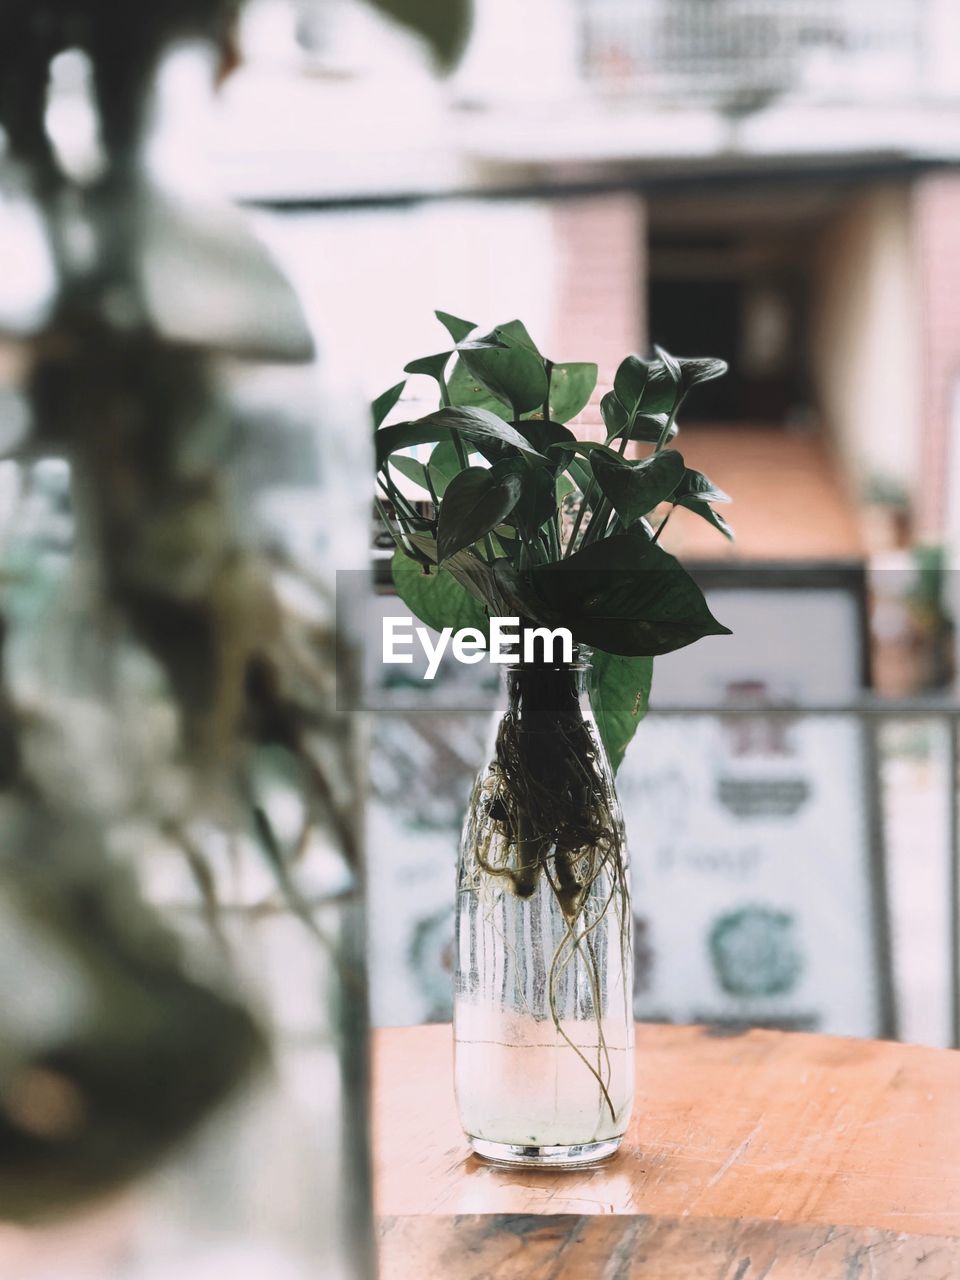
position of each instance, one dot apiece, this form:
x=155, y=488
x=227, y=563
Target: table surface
x=789, y=1154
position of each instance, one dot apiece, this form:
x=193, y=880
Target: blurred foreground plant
x=178, y=673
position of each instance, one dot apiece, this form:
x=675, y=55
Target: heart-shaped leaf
x=473, y=424
x=623, y=594
x=550, y=438
x=571, y=386
x=634, y=488
x=458, y=329
x=662, y=390
x=476, y=501
x=706, y=512
x=538, y=501
x=629, y=382
x=436, y=598
x=583, y=448
x=695, y=369
x=385, y=402
x=649, y=428
x=432, y=366
x=412, y=469
x=514, y=375
x=468, y=392
x=645, y=427
x=474, y=575
x=444, y=464
x=615, y=416
x=670, y=363
x=514, y=334
x=696, y=485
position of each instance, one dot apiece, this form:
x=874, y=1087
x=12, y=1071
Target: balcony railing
x=736, y=55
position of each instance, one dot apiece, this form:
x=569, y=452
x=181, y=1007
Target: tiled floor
x=788, y=499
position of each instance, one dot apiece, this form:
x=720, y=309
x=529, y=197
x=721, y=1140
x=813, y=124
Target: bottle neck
x=546, y=690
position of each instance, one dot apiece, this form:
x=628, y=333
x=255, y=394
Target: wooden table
x=759, y=1156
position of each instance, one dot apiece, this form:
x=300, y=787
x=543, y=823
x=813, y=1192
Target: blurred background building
x=773, y=181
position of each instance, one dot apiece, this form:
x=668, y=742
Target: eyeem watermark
x=469, y=644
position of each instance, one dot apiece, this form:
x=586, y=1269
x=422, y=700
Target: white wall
x=864, y=336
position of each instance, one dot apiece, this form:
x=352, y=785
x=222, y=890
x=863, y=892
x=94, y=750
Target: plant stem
x=665, y=433
x=430, y=485
x=461, y=452
x=457, y=442
x=598, y=525
x=388, y=523
x=395, y=496
x=625, y=438
x=554, y=539
x=584, y=503
x=663, y=523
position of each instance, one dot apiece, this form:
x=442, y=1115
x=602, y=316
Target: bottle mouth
x=582, y=661
x=523, y=667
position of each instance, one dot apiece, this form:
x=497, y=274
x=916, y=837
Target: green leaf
x=695, y=369
x=385, y=402
x=444, y=464
x=571, y=386
x=412, y=469
x=634, y=488
x=564, y=487
x=696, y=485
x=582, y=475
x=585, y=449
x=649, y=427
x=619, y=695
x=457, y=328
x=436, y=598
x=514, y=375
x=670, y=363
x=476, y=501
x=623, y=594
x=629, y=382
x=432, y=366
x=538, y=501
x=662, y=391
x=514, y=334
x=444, y=26
x=474, y=424
x=474, y=575
x=467, y=392
x=478, y=425
x=615, y=417
x=706, y=512
x=550, y=438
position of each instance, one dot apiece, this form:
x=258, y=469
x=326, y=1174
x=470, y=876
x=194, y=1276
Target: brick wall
x=600, y=248
x=937, y=248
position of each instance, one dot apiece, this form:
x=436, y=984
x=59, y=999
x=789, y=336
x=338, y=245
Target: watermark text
x=469, y=644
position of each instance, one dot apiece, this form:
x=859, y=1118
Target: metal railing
x=937, y=720
x=735, y=55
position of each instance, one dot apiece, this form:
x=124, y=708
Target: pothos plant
x=529, y=521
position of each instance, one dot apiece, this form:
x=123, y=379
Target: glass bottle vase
x=543, y=1003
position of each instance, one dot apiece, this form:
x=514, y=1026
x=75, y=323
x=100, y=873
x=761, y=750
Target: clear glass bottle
x=543, y=1004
